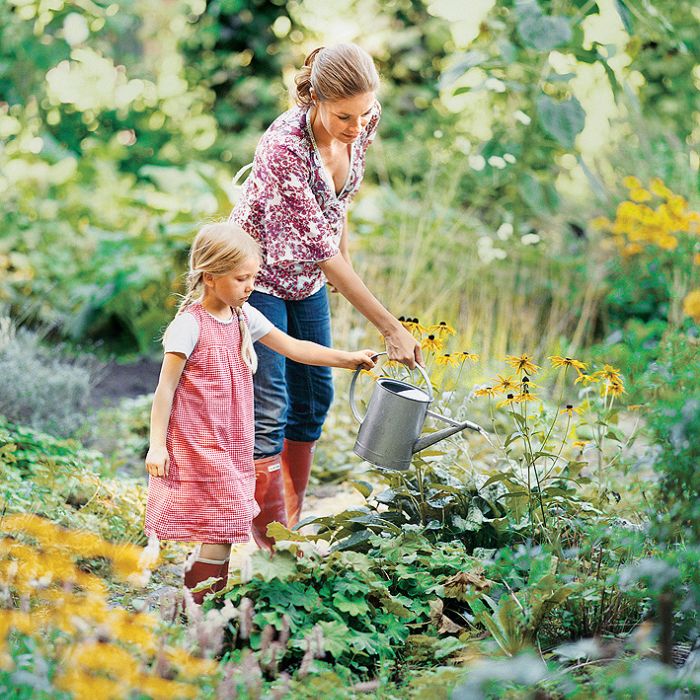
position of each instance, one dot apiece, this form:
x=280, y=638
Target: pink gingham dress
x=290, y=206
x=208, y=495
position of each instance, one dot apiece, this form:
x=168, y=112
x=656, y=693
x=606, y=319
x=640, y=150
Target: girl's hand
x=403, y=347
x=362, y=358
x=157, y=461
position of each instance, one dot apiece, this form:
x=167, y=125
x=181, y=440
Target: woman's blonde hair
x=336, y=73
x=218, y=249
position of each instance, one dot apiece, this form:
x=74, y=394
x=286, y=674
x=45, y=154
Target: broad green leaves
x=562, y=120
x=540, y=31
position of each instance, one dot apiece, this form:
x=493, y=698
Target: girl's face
x=345, y=119
x=234, y=288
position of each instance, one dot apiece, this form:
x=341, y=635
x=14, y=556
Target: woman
x=308, y=166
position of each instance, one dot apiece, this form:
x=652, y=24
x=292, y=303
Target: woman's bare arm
x=400, y=344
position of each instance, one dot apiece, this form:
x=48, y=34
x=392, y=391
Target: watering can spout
x=438, y=435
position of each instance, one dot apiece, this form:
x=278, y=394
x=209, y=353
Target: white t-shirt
x=183, y=332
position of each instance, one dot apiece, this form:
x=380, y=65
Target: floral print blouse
x=289, y=204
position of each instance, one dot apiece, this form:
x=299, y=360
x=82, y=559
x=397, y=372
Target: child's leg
x=211, y=562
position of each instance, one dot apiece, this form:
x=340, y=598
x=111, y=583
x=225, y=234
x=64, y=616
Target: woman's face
x=345, y=119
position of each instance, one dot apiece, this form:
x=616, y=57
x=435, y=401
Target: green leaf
x=354, y=606
x=363, y=487
x=282, y=565
x=336, y=640
x=543, y=32
x=562, y=120
x=532, y=193
x=447, y=646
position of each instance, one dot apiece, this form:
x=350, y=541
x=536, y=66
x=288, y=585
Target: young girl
x=200, y=459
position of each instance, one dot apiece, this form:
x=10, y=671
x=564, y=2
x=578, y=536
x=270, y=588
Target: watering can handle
x=353, y=404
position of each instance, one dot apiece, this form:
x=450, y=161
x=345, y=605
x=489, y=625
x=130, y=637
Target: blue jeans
x=291, y=399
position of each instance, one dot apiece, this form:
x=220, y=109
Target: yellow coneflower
x=525, y=396
x=612, y=374
x=431, y=343
x=691, y=305
x=522, y=363
x=570, y=410
x=471, y=356
x=614, y=388
x=369, y=373
x=506, y=384
x=447, y=360
x=525, y=385
x=579, y=443
x=631, y=182
x=485, y=391
x=588, y=378
x=508, y=401
x=413, y=325
x=441, y=329
x=559, y=361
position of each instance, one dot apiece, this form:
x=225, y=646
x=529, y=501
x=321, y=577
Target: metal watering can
x=390, y=430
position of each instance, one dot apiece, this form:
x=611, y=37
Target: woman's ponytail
x=336, y=73
x=303, y=79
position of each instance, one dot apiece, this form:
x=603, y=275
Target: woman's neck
x=321, y=136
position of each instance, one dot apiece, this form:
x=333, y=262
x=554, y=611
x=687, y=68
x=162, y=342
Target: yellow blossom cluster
x=654, y=216
x=104, y=651
x=518, y=387
x=433, y=339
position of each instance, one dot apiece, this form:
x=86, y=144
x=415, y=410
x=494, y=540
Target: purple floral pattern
x=288, y=205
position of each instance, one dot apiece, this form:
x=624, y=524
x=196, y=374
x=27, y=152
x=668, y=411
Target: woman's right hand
x=157, y=461
x=403, y=347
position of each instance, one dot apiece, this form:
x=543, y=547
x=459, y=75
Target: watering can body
x=390, y=430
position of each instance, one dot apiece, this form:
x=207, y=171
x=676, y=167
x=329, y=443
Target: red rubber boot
x=269, y=495
x=297, y=457
x=201, y=570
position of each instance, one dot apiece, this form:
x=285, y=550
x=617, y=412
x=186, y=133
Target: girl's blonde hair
x=218, y=249
x=336, y=73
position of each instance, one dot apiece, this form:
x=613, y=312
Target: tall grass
x=419, y=255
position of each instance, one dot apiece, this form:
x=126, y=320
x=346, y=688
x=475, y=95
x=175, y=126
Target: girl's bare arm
x=157, y=460
x=309, y=353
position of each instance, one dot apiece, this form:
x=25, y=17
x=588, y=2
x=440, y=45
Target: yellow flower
x=659, y=189
x=638, y=194
x=579, y=443
x=447, y=360
x=691, y=305
x=588, y=378
x=601, y=223
x=570, y=410
x=485, y=391
x=612, y=374
x=506, y=384
x=631, y=182
x=413, y=325
x=508, y=401
x=667, y=242
x=696, y=259
x=632, y=249
x=559, y=361
x=614, y=388
x=441, y=329
x=472, y=357
x=431, y=343
x=523, y=363
x=525, y=396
